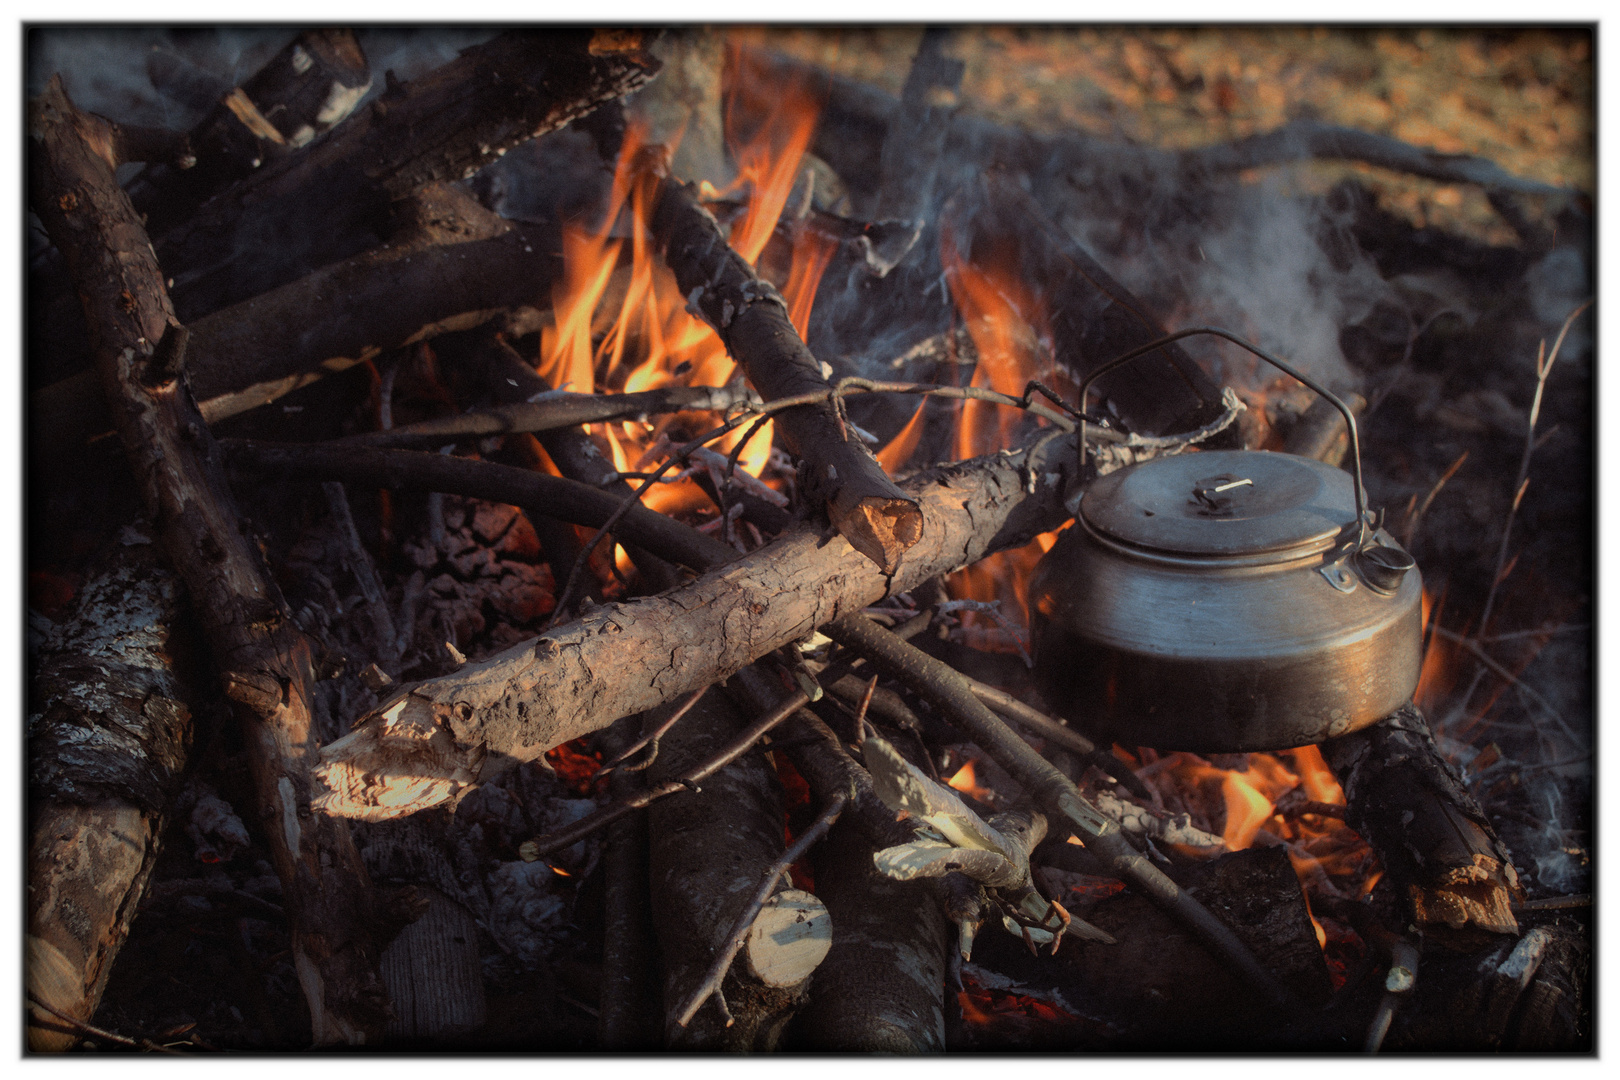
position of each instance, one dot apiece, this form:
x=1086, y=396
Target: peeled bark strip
x=108, y=735
x=881, y=988
x=629, y=657
x=444, y=126
x=1435, y=841
x=266, y=662
x=307, y=89
x=710, y=849
x=879, y=520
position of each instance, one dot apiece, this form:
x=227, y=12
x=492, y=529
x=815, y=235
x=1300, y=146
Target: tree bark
x=629, y=657
x=109, y=732
x=266, y=662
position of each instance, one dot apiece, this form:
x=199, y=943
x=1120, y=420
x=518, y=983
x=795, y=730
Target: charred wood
x=916, y=139
x=109, y=732
x=877, y=518
x=307, y=89
x=254, y=352
x=520, y=703
x=1093, y=317
x=630, y=1010
x=576, y=455
x=265, y=661
x=324, y=204
x=1053, y=792
x=1435, y=841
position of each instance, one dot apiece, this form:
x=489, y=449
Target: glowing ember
x=576, y=767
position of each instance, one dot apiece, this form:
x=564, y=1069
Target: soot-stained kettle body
x=1225, y=601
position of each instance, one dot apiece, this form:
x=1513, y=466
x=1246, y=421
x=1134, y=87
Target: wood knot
x=67, y=203
x=545, y=649
x=258, y=690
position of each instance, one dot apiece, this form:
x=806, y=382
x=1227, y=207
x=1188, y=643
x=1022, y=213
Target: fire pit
x=534, y=532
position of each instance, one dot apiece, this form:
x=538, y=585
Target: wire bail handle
x=1362, y=513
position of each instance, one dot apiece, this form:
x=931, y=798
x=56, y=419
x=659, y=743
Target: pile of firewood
x=359, y=599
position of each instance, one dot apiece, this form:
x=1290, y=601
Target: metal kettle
x=1227, y=601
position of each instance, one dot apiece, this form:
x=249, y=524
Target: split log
x=1433, y=838
x=266, y=663
x=261, y=349
x=1530, y=994
x=109, y=732
x=878, y=519
x=629, y=657
x=317, y=206
x=710, y=848
x=307, y=89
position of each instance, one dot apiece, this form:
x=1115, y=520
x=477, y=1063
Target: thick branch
x=630, y=657
x=254, y=352
x=266, y=661
x=878, y=519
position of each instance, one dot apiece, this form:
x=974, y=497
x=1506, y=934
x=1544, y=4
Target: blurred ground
x=1523, y=98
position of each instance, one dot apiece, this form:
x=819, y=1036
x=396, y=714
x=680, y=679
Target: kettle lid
x=1223, y=503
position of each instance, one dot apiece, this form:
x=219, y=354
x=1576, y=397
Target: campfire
x=623, y=539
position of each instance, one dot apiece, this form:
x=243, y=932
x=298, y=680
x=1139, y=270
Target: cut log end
x=880, y=528
x=789, y=938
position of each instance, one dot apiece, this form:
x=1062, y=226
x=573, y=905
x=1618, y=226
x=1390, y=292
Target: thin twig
x=1544, y=363
x=1423, y=508
x=745, y=921
x=540, y=846
x=652, y=737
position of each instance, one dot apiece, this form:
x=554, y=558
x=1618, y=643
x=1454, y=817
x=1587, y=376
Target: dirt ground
x=1522, y=98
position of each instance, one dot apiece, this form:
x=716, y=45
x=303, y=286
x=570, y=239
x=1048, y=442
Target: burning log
x=1435, y=842
x=711, y=848
x=879, y=520
x=1093, y=317
x=443, y=126
x=308, y=88
x=106, y=750
x=267, y=663
x=520, y=703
